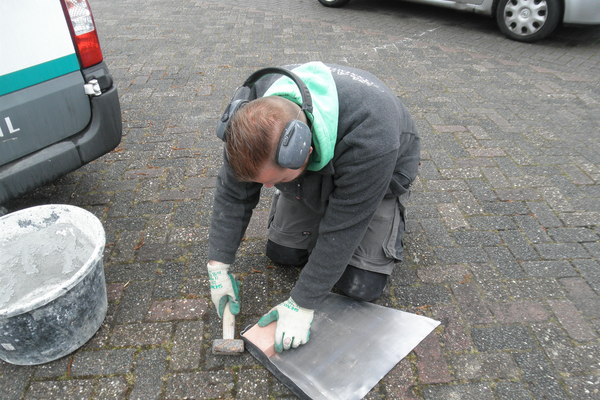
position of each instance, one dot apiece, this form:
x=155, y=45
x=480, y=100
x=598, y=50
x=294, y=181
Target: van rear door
x=42, y=96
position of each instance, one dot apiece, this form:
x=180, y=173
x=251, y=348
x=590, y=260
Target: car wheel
x=528, y=20
x=334, y=3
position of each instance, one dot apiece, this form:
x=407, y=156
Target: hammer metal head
x=228, y=346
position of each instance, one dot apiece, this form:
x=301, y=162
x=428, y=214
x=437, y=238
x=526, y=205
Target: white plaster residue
x=40, y=261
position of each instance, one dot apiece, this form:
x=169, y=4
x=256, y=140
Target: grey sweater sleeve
x=232, y=209
x=370, y=141
x=351, y=207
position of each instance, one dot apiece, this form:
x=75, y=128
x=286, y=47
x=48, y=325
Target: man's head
x=253, y=136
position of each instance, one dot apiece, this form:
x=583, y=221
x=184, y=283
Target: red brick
x=444, y=273
x=520, y=311
x=431, y=365
x=114, y=291
x=572, y=320
x=172, y=310
x=399, y=381
x=449, y=128
x=471, y=305
x=456, y=336
x=582, y=296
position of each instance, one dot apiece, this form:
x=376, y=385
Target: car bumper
x=101, y=136
x=584, y=12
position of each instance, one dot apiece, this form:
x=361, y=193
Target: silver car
x=522, y=20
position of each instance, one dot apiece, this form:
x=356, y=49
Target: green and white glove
x=223, y=288
x=293, y=324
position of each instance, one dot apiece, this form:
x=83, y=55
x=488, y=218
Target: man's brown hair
x=253, y=135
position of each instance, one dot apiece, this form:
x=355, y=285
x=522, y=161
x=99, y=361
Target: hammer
x=228, y=345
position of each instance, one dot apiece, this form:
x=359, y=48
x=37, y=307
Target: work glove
x=293, y=324
x=223, y=288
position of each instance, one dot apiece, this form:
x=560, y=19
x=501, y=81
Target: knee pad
x=361, y=284
x=286, y=255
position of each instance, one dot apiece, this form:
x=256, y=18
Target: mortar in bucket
x=52, y=287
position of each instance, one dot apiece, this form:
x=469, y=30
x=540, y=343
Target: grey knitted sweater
x=376, y=155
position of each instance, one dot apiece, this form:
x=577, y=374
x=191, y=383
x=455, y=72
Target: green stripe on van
x=38, y=73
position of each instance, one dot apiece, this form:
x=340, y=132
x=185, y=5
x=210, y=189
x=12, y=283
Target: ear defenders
x=294, y=144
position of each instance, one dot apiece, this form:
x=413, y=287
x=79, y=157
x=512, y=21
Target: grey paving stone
x=505, y=262
x=544, y=214
x=60, y=390
x=532, y=228
x=111, y=388
x=422, y=295
x=503, y=338
x=135, y=302
x=140, y=334
x=203, y=384
x=492, y=223
x=593, y=249
x=582, y=295
x=102, y=362
x=547, y=389
x=583, y=387
x=577, y=235
x=187, y=345
x=253, y=384
x=555, y=269
x=564, y=354
x=13, y=380
x=150, y=366
x=169, y=280
x=561, y=251
x=534, y=365
x=512, y=391
x=53, y=369
x=485, y=366
x=590, y=270
x=476, y=238
x=436, y=232
x=518, y=245
x=454, y=255
x=474, y=391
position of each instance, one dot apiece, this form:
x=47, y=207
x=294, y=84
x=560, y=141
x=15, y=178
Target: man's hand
x=293, y=324
x=223, y=288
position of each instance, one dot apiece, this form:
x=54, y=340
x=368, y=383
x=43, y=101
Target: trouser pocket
x=292, y=224
x=393, y=246
x=381, y=246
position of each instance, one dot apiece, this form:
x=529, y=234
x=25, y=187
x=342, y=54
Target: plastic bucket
x=52, y=287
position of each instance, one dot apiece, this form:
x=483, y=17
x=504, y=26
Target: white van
x=59, y=108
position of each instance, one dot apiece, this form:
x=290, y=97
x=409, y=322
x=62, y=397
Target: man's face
x=271, y=175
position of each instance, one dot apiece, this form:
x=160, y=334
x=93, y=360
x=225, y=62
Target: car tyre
x=528, y=20
x=334, y=3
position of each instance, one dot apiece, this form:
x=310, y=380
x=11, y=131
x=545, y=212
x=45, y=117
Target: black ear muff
x=294, y=145
x=223, y=123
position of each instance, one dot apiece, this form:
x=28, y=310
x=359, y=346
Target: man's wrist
x=216, y=265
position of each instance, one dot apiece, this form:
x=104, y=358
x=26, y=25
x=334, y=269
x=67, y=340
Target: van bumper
x=43, y=166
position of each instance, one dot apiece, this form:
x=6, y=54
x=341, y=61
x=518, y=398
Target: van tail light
x=83, y=30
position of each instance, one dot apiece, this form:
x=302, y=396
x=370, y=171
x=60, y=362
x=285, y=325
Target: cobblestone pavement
x=503, y=245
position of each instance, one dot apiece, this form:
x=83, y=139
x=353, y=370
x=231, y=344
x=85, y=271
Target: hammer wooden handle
x=228, y=323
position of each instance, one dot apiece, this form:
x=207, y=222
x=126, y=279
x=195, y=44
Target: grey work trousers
x=293, y=225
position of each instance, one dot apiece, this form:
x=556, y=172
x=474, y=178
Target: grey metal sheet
x=353, y=345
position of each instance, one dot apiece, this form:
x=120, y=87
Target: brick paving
x=503, y=242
